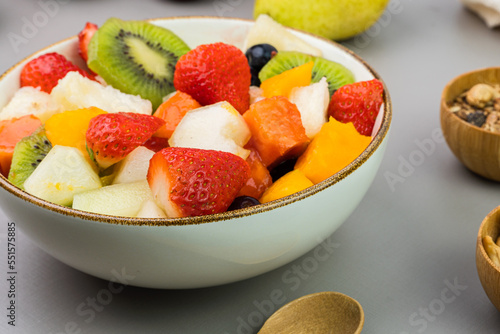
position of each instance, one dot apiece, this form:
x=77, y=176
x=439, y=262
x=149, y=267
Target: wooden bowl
x=488, y=272
x=477, y=149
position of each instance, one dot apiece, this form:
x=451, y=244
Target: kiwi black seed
x=336, y=74
x=28, y=154
x=136, y=57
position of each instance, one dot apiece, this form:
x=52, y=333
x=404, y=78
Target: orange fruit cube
x=334, y=147
x=288, y=184
x=277, y=130
x=11, y=132
x=172, y=111
x=283, y=83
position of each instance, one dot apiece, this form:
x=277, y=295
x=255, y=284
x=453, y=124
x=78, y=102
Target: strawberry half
x=46, y=70
x=189, y=182
x=216, y=72
x=358, y=103
x=84, y=38
x=110, y=137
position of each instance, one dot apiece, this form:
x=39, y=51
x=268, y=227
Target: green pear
x=333, y=19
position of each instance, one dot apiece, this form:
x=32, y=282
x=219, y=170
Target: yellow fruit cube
x=334, y=147
x=288, y=184
x=68, y=128
x=283, y=83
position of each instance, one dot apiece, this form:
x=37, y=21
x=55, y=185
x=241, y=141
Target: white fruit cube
x=74, y=91
x=63, y=173
x=30, y=101
x=124, y=199
x=215, y=127
x=134, y=167
x=266, y=30
x=312, y=102
x=149, y=209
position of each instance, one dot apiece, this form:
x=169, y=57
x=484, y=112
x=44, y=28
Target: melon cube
x=30, y=101
x=312, y=102
x=63, y=173
x=124, y=199
x=134, y=167
x=149, y=209
x=267, y=30
x=215, y=127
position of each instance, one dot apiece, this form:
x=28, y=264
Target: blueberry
x=242, y=202
x=283, y=168
x=258, y=56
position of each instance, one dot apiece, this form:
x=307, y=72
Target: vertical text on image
x=11, y=273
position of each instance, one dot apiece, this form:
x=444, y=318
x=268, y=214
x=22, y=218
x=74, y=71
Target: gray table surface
x=407, y=254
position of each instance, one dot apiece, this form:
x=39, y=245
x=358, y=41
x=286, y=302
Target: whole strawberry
x=110, y=137
x=358, y=103
x=216, y=72
x=189, y=182
x=46, y=70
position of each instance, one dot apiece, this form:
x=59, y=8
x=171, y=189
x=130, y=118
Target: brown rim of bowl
x=480, y=239
x=445, y=102
x=375, y=143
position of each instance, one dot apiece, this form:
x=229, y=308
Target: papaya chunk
x=277, y=130
x=11, y=132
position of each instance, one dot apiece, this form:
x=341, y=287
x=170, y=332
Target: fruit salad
x=151, y=128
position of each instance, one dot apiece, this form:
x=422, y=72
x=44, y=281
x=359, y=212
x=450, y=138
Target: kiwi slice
x=28, y=154
x=136, y=57
x=336, y=74
x=283, y=61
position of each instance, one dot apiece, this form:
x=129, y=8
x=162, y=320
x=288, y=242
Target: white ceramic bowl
x=202, y=251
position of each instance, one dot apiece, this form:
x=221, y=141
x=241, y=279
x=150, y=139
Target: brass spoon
x=319, y=313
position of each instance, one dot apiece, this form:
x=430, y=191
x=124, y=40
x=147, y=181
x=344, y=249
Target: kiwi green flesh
x=136, y=57
x=283, y=61
x=336, y=74
x=28, y=154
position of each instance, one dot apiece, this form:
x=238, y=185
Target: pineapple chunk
x=214, y=127
x=134, y=167
x=63, y=173
x=124, y=199
x=77, y=92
